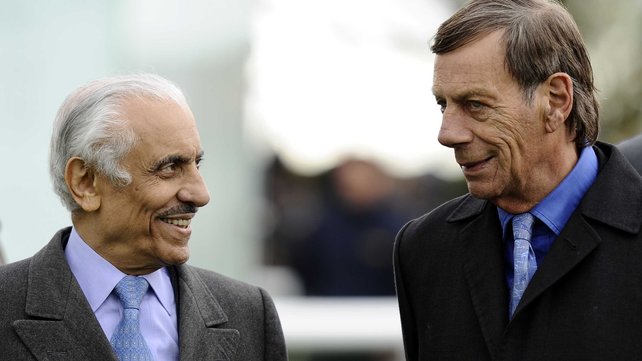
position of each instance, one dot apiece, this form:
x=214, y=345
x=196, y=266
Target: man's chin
x=178, y=261
x=176, y=258
x=481, y=191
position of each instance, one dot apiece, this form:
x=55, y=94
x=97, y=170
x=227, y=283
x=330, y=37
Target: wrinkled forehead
x=479, y=61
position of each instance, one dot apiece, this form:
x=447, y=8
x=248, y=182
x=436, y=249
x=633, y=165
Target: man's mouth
x=473, y=165
x=180, y=222
x=180, y=216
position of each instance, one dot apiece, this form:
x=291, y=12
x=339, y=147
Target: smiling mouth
x=183, y=223
x=473, y=165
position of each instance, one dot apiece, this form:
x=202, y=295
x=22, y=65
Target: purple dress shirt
x=554, y=210
x=97, y=278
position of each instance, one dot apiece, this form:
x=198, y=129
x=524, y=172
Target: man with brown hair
x=540, y=261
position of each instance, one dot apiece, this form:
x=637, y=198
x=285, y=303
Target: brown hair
x=541, y=38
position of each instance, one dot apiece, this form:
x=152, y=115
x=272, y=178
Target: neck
x=116, y=253
x=542, y=181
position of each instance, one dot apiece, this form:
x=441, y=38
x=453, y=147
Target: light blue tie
x=127, y=341
x=525, y=263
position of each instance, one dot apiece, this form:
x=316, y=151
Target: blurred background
x=319, y=129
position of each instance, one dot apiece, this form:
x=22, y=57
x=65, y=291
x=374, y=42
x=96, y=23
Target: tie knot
x=523, y=226
x=131, y=290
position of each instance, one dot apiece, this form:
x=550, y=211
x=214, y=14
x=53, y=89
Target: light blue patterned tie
x=127, y=341
x=525, y=263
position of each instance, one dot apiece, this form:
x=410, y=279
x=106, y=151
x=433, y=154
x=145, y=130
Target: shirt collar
x=97, y=277
x=556, y=208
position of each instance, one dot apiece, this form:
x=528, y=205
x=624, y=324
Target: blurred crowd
x=335, y=230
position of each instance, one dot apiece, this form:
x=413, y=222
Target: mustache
x=180, y=209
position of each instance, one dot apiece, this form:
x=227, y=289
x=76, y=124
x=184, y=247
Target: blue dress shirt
x=97, y=279
x=552, y=213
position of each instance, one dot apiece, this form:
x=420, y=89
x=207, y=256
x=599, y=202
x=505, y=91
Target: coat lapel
x=60, y=323
x=200, y=321
x=483, y=255
x=577, y=241
x=613, y=200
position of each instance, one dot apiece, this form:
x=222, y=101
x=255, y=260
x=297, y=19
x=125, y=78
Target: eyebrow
x=466, y=94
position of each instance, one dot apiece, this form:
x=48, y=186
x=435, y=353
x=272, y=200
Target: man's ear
x=560, y=100
x=81, y=182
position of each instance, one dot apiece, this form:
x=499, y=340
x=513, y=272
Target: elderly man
x=125, y=157
x=541, y=260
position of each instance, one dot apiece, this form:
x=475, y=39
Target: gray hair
x=91, y=125
x=541, y=39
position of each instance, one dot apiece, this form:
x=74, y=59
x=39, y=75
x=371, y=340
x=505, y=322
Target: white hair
x=91, y=125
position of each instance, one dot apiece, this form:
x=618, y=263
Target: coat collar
x=202, y=331
x=614, y=200
x=60, y=324
x=483, y=257
x=620, y=181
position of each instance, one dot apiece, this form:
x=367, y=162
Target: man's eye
x=168, y=169
x=475, y=105
x=442, y=106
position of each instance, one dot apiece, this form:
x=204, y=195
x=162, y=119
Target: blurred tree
x=612, y=32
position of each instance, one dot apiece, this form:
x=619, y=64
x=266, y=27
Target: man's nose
x=454, y=128
x=194, y=190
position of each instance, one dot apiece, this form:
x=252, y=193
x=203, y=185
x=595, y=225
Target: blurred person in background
x=125, y=158
x=540, y=261
x=334, y=231
x=365, y=202
x=347, y=253
x=632, y=149
x=2, y=259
